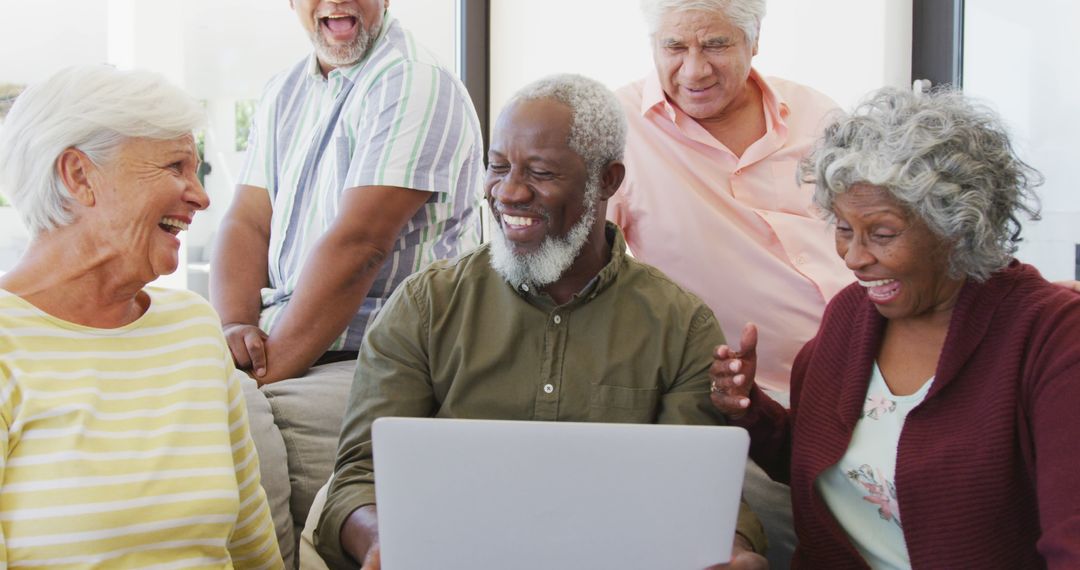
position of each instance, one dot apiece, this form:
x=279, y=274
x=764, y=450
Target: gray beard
x=342, y=55
x=555, y=255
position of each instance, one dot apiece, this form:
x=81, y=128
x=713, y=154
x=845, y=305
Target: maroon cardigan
x=988, y=466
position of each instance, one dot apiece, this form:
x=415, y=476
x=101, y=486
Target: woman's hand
x=733, y=374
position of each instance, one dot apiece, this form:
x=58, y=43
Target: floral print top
x=860, y=489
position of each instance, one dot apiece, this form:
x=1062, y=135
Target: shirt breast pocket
x=620, y=404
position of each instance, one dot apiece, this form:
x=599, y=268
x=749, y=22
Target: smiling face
x=143, y=198
x=540, y=194
x=902, y=264
x=340, y=30
x=703, y=62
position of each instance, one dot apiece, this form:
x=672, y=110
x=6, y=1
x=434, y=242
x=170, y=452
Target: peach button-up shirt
x=738, y=231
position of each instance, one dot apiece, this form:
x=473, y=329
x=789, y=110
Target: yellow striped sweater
x=126, y=447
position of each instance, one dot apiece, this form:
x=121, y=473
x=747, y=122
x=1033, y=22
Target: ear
x=611, y=179
x=75, y=170
x=292, y=5
x=386, y=5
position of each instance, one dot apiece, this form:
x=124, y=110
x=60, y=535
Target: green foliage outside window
x=245, y=108
x=8, y=93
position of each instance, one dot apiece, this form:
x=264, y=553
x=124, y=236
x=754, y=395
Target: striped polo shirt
x=396, y=118
x=126, y=447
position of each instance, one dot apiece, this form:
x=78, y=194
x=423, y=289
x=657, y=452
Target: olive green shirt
x=456, y=340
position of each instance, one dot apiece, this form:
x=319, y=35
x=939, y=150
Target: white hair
x=597, y=124
x=744, y=14
x=93, y=108
x=555, y=255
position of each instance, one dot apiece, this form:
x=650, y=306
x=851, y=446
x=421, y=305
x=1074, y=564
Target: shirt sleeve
x=257, y=167
x=392, y=379
x=253, y=543
x=687, y=402
x=418, y=130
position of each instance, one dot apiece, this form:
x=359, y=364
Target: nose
x=510, y=189
x=695, y=66
x=196, y=195
x=855, y=254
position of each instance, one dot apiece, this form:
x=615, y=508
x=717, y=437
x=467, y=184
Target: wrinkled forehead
x=684, y=25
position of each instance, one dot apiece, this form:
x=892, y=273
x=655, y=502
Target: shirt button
x=558, y=319
x=800, y=259
x=548, y=388
x=738, y=172
x=525, y=287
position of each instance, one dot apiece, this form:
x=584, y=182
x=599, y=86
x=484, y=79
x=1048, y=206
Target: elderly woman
x=124, y=440
x=933, y=417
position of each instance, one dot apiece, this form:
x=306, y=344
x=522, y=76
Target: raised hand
x=732, y=374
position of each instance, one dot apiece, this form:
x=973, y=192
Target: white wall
x=1023, y=65
x=219, y=50
x=844, y=48
x=38, y=38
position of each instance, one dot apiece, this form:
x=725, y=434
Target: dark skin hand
x=733, y=371
x=743, y=557
x=338, y=272
x=732, y=374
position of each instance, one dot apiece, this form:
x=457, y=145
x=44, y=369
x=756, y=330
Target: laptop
x=509, y=495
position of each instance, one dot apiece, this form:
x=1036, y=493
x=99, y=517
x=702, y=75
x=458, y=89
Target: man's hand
x=247, y=343
x=1073, y=285
x=373, y=560
x=743, y=557
x=360, y=537
x=733, y=374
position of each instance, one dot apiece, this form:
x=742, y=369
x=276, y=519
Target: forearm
x=334, y=283
x=360, y=532
x=239, y=272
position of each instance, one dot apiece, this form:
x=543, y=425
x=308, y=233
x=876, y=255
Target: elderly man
x=364, y=165
x=556, y=322
x=710, y=195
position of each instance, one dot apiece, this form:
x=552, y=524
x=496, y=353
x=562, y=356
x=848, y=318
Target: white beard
x=342, y=55
x=555, y=255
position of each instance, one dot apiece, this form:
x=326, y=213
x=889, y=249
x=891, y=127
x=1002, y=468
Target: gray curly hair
x=943, y=157
x=598, y=126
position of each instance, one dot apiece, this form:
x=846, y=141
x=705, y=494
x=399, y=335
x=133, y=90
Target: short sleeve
x=420, y=131
x=257, y=164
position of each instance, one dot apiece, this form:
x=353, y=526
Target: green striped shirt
x=396, y=118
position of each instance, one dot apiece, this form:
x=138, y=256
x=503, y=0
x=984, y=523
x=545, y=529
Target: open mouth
x=881, y=290
x=339, y=27
x=172, y=225
x=522, y=229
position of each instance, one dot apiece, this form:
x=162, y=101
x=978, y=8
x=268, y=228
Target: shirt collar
x=351, y=72
x=597, y=284
x=652, y=96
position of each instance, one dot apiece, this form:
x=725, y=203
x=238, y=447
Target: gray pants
x=771, y=501
x=295, y=424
